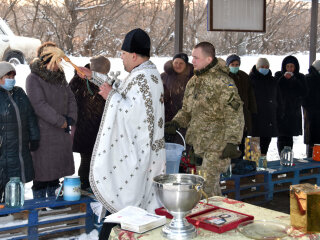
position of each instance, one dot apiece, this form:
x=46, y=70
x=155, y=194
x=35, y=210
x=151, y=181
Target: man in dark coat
x=311, y=105
x=56, y=108
x=19, y=131
x=90, y=109
x=291, y=90
x=265, y=89
x=175, y=77
x=246, y=93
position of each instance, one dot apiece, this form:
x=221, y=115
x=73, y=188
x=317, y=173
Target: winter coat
x=212, y=110
x=246, y=93
x=52, y=100
x=290, y=94
x=90, y=110
x=311, y=104
x=265, y=89
x=18, y=126
x=174, y=87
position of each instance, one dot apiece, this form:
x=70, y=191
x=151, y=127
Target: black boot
x=51, y=191
x=41, y=193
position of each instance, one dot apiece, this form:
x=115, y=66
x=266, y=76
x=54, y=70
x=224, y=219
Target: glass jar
x=14, y=193
x=286, y=156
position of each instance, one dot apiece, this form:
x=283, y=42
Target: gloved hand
x=171, y=127
x=195, y=158
x=34, y=145
x=70, y=122
x=230, y=151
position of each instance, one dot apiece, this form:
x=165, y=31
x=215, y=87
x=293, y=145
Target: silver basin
x=179, y=194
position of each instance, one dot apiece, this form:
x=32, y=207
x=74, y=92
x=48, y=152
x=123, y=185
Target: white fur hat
x=262, y=62
x=5, y=67
x=316, y=65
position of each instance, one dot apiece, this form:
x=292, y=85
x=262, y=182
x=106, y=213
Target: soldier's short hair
x=207, y=48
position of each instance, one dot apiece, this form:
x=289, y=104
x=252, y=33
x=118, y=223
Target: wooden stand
x=47, y=218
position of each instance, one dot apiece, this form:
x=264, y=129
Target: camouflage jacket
x=212, y=110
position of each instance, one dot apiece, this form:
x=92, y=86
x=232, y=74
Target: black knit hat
x=232, y=58
x=183, y=56
x=137, y=41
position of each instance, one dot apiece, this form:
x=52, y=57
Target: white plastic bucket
x=173, y=155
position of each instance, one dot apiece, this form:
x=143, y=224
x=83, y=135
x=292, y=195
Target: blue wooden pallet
x=281, y=177
x=79, y=218
x=252, y=187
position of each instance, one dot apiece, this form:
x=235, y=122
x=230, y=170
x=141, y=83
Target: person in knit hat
x=19, y=134
x=291, y=91
x=90, y=109
x=265, y=90
x=130, y=149
x=246, y=93
x=56, y=109
x=311, y=107
x=175, y=77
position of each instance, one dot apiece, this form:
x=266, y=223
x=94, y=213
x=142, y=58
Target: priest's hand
x=104, y=90
x=84, y=73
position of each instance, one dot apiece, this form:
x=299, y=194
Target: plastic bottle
x=228, y=173
x=286, y=156
x=14, y=193
x=263, y=163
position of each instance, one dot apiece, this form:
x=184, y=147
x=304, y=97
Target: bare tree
x=91, y=27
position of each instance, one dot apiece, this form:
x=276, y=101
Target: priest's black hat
x=137, y=41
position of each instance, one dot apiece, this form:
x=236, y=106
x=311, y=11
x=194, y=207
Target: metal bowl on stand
x=179, y=194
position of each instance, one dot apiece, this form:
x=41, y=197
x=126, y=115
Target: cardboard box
x=305, y=207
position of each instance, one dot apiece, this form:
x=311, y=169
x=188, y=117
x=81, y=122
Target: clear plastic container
x=173, y=156
x=14, y=193
x=228, y=173
x=263, y=163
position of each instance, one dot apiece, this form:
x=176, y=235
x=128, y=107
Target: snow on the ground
x=247, y=63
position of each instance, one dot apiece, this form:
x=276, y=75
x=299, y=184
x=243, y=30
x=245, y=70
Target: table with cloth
x=259, y=213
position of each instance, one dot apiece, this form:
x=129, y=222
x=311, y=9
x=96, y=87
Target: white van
x=16, y=49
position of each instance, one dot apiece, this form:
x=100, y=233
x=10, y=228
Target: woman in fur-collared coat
x=56, y=109
x=175, y=77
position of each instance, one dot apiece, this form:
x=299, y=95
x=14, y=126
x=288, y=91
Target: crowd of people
x=120, y=130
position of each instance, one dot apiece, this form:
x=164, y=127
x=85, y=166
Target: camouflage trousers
x=212, y=166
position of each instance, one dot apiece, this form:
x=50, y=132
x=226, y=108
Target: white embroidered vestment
x=129, y=150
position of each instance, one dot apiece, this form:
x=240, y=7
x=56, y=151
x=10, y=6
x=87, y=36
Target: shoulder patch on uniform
x=230, y=85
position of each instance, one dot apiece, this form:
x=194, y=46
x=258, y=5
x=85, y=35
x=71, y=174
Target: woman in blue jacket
x=19, y=131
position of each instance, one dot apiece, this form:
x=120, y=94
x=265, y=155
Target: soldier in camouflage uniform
x=212, y=112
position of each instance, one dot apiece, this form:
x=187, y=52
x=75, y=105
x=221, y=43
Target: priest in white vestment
x=130, y=149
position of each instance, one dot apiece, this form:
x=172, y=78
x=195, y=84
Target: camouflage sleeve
x=233, y=111
x=183, y=116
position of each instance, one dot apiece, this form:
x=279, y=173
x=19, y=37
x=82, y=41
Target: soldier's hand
x=171, y=127
x=230, y=151
x=195, y=158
